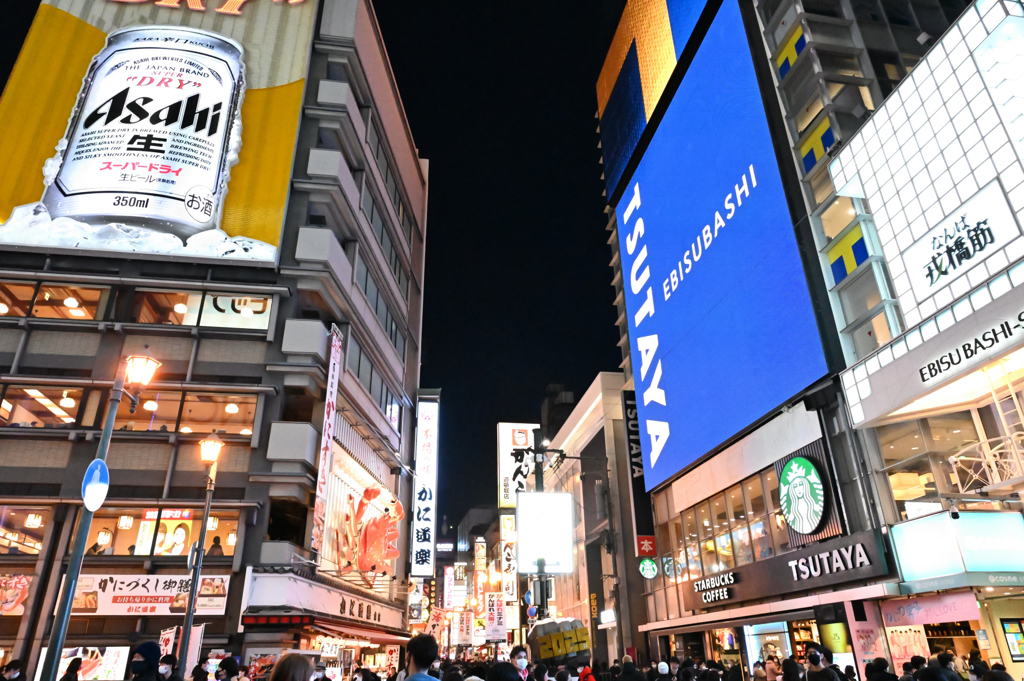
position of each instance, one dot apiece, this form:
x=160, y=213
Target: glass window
x=754, y=497
x=741, y=545
x=15, y=298
x=21, y=528
x=165, y=307
x=690, y=526
x=41, y=407
x=167, y=532
x=676, y=535
x=693, y=561
x=779, y=533
x=327, y=138
x=704, y=521
x=860, y=295
x=871, y=335
x=760, y=542
x=58, y=301
x=723, y=543
x=734, y=499
x=207, y=413
x=771, y=484
x=821, y=185
x=708, y=556
x=952, y=431
x=899, y=441
x=236, y=311
x=336, y=71
x=837, y=216
x=805, y=115
x=719, y=514
x=157, y=411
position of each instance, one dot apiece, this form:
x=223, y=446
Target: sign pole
x=58, y=632
x=538, y=470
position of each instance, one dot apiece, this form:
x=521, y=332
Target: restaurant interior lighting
x=212, y=523
x=231, y=408
x=125, y=522
x=150, y=405
x=180, y=308
x=67, y=402
x=104, y=537
x=34, y=521
x=48, y=403
x=70, y=301
x=4, y=309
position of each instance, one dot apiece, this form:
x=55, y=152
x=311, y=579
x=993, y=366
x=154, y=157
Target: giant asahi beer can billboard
x=154, y=127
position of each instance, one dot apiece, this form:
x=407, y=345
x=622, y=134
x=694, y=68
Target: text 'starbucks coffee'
x=154, y=133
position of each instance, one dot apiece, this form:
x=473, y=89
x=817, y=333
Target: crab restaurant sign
x=424, y=489
x=290, y=592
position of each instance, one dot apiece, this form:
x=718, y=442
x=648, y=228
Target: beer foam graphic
x=31, y=225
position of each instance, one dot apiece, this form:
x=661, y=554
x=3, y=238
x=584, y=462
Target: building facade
x=820, y=519
x=246, y=352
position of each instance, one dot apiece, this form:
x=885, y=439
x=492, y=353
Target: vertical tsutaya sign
x=425, y=489
x=494, y=621
x=158, y=133
x=640, y=498
x=509, y=568
x=326, y=447
x=514, y=468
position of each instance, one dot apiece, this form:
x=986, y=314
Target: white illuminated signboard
x=424, y=500
x=509, y=569
x=545, y=526
x=515, y=469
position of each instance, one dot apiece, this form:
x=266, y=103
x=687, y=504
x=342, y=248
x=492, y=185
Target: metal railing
x=989, y=464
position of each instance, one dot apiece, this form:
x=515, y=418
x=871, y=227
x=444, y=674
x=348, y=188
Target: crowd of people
x=423, y=663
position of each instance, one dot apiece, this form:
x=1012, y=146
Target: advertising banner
x=182, y=128
x=167, y=637
x=424, y=502
x=464, y=629
x=545, y=522
x=13, y=592
x=106, y=595
x=98, y=663
x=515, y=469
x=713, y=266
x=449, y=587
x=494, y=617
x=437, y=623
x=509, y=567
x=326, y=441
x=639, y=497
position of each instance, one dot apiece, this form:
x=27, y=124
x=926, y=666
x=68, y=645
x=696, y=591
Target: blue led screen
x=721, y=324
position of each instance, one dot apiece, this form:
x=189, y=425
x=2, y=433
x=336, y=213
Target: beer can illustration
x=154, y=133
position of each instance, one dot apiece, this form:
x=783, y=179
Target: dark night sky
x=501, y=99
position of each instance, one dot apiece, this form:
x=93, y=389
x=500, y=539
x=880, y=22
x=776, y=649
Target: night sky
x=501, y=99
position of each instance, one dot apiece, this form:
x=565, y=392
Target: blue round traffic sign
x=95, y=484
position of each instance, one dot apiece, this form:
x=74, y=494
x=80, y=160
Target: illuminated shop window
x=59, y=301
x=21, y=528
x=837, y=216
x=236, y=311
x=166, y=307
x=160, y=532
x=871, y=335
x=157, y=411
x=221, y=413
x=15, y=298
x=40, y=407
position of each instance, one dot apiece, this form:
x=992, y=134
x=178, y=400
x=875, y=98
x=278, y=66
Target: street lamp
x=209, y=451
x=135, y=372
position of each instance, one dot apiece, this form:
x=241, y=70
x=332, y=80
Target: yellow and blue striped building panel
x=792, y=46
x=820, y=141
x=847, y=254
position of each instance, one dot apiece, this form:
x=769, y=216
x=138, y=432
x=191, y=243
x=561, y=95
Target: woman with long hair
x=292, y=667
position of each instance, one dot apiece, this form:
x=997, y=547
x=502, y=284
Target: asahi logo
x=801, y=495
x=227, y=6
x=185, y=112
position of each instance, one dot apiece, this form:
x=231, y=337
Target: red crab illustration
x=368, y=545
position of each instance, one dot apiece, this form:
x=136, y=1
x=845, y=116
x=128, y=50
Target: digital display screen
x=721, y=324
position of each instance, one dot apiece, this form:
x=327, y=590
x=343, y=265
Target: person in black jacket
x=71, y=674
x=881, y=671
x=145, y=662
x=168, y=669
x=629, y=671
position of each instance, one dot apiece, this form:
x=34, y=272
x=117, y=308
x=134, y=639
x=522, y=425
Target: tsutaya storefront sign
x=937, y=353
x=844, y=559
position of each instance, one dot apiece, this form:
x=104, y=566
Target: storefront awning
x=371, y=635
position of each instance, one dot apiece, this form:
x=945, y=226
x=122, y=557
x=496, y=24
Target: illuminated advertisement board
x=515, y=468
x=545, y=529
x=720, y=318
x=425, y=489
x=180, y=139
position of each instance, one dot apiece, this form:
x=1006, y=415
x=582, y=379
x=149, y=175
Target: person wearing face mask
x=321, y=670
x=518, y=658
x=227, y=670
x=145, y=662
x=435, y=669
x=168, y=669
x=12, y=670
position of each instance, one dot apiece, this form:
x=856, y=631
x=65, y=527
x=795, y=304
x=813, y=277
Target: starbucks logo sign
x=801, y=495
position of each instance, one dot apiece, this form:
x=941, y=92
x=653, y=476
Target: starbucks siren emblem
x=801, y=495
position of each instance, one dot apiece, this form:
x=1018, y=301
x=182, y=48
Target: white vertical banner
x=515, y=469
x=436, y=623
x=449, y=587
x=494, y=617
x=424, y=491
x=464, y=631
x=167, y=637
x=326, y=460
x=509, y=568
x=195, y=644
